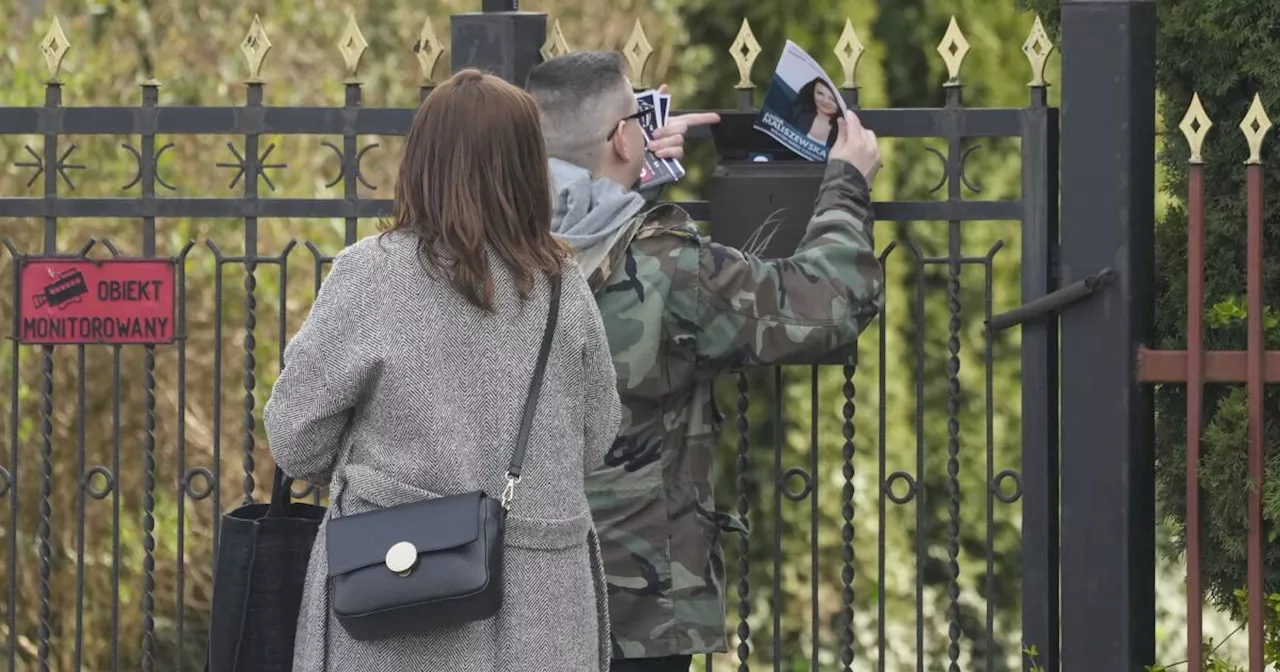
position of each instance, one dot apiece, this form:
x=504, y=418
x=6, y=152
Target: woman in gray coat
x=408, y=379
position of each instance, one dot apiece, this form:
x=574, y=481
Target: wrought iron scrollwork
x=942, y=181
x=148, y=510
x=250, y=358
x=60, y=166
x=891, y=482
x=111, y=247
x=238, y=165
x=997, y=486
x=342, y=165
x=184, y=485
x=250, y=375
x=251, y=263
x=359, y=160
x=946, y=169
x=847, y=512
x=98, y=473
x=189, y=483
x=159, y=178
x=964, y=179
x=37, y=163
x=137, y=176
x=806, y=484
x=250, y=342
x=953, y=457
x=241, y=165
x=45, y=530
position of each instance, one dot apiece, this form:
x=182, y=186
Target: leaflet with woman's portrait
x=801, y=106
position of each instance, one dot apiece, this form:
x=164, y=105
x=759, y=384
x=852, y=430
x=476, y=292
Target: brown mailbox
x=746, y=192
x=745, y=195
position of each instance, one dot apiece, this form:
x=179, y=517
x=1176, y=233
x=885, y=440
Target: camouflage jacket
x=679, y=308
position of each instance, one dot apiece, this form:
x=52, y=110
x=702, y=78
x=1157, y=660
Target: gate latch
x=1052, y=302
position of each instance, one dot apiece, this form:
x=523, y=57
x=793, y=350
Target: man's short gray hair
x=582, y=95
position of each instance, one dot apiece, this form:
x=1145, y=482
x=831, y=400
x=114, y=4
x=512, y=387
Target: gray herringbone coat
x=396, y=389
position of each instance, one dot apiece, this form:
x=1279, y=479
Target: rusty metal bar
x=1195, y=387
x=1220, y=366
x=1253, y=270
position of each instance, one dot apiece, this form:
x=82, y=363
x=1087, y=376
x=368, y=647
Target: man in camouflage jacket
x=678, y=309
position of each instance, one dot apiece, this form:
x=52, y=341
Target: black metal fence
x=66, y=520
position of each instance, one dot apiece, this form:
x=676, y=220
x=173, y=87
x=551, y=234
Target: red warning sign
x=115, y=301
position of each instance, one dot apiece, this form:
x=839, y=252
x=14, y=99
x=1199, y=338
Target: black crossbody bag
x=412, y=568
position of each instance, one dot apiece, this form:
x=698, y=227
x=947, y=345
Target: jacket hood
x=594, y=216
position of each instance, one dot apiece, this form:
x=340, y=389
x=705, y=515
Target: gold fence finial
x=556, y=44
x=352, y=45
x=744, y=50
x=953, y=49
x=1255, y=127
x=54, y=46
x=638, y=51
x=1037, y=48
x=428, y=49
x=1195, y=126
x=255, y=47
x=849, y=50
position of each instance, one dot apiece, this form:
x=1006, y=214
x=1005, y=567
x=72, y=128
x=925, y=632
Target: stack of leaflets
x=802, y=106
x=656, y=171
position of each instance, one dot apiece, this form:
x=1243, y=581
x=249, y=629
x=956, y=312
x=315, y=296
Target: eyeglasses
x=644, y=111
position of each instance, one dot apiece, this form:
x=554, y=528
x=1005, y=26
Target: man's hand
x=668, y=141
x=857, y=145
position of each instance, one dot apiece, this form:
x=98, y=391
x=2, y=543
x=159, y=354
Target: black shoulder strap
x=535, y=385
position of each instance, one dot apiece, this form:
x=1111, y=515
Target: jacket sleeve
x=777, y=311
x=602, y=410
x=328, y=366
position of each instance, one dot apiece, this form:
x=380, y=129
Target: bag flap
x=362, y=540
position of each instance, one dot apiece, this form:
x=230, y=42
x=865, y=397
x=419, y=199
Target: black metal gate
x=80, y=566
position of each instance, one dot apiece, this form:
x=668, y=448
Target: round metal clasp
x=401, y=558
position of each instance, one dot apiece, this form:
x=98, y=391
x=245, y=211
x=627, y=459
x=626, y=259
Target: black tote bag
x=258, y=580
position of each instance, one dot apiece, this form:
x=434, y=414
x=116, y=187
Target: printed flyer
x=802, y=106
x=657, y=171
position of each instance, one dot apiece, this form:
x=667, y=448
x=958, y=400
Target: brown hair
x=474, y=177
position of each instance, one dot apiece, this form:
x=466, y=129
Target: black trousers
x=667, y=664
